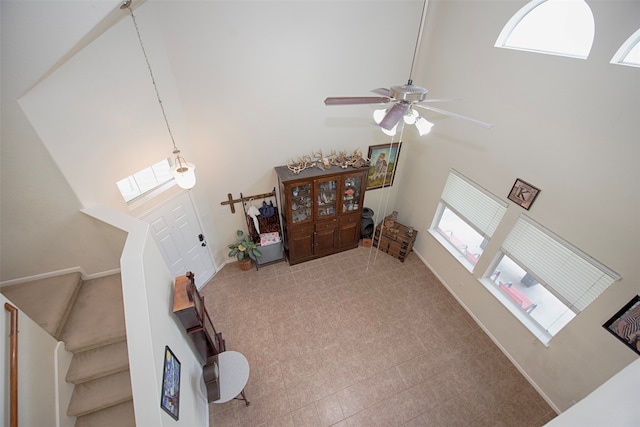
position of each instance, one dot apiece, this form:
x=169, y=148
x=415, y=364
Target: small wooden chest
x=394, y=239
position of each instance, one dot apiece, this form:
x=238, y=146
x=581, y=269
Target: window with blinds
x=466, y=218
x=545, y=280
x=575, y=277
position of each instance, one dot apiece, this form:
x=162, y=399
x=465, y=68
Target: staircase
x=88, y=316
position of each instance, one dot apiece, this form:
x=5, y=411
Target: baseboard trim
x=491, y=337
x=101, y=274
x=43, y=276
x=49, y=274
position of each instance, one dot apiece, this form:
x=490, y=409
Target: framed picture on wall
x=523, y=194
x=170, y=398
x=384, y=159
x=625, y=324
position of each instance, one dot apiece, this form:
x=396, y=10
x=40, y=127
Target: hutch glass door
x=300, y=196
x=351, y=193
x=326, y=199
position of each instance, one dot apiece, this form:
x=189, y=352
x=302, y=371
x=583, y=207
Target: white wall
x=615, y=403
x=39, y=209
x=567, y=126
x=147, y=287
x=43, y=395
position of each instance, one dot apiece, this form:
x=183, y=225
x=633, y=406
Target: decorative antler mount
x=317, y=158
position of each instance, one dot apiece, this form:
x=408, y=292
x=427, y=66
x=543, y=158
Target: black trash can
x=367, y=225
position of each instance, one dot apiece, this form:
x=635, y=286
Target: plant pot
x=245, y=264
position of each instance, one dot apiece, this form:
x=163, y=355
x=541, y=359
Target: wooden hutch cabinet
x=321, y=210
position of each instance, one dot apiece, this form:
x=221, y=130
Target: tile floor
x=359, y=339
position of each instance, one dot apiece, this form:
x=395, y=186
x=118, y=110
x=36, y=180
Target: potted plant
x=244, y=250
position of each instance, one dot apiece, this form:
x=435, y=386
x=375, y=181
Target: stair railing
x=13, y=374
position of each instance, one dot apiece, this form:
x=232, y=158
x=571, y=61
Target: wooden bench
x=518, y=297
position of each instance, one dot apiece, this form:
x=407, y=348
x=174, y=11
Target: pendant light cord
x=127, y=5
x=395, y=163
x=371, y=262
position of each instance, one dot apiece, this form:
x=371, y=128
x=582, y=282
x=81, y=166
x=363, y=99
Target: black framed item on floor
x=170, y=399
x=625, y=324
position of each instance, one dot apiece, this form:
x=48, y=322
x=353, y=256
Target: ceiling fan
x=404, y=98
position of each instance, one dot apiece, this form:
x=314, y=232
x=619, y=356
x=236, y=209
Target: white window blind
x=476, y=205
x=572, y=275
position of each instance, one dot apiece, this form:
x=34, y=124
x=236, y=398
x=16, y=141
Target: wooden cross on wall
x=231, y=202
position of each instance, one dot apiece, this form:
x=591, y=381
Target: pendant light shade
x=378, y=115
x=411, y=117
x=182, y=171
x=424, y=126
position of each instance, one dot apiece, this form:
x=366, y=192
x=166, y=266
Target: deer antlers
x=302, y=163
x=317, y=158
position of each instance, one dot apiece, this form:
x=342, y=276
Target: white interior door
x=177, y=231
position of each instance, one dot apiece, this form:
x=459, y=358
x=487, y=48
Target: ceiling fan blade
x=356, y=100
x=382, y=91
x=442, y=100
x=394, y=115
x=459, y=116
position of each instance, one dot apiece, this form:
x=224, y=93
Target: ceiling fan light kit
x=411, y=117
x=403, y=97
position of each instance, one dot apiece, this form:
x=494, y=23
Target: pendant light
x=182, y=171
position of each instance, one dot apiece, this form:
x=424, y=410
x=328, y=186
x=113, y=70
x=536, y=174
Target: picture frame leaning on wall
x=383, y=165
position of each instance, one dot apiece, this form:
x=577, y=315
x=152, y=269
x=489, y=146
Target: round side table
x=234, y=374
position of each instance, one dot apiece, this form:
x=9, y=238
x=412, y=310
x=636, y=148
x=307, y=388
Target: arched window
x=629, y=52
x=554, y=27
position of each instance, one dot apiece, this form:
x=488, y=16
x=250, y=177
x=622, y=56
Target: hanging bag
x=266, y=211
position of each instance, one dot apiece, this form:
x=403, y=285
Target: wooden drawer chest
x=394, y=239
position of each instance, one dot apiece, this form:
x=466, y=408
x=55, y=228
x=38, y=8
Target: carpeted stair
x=89, y=318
